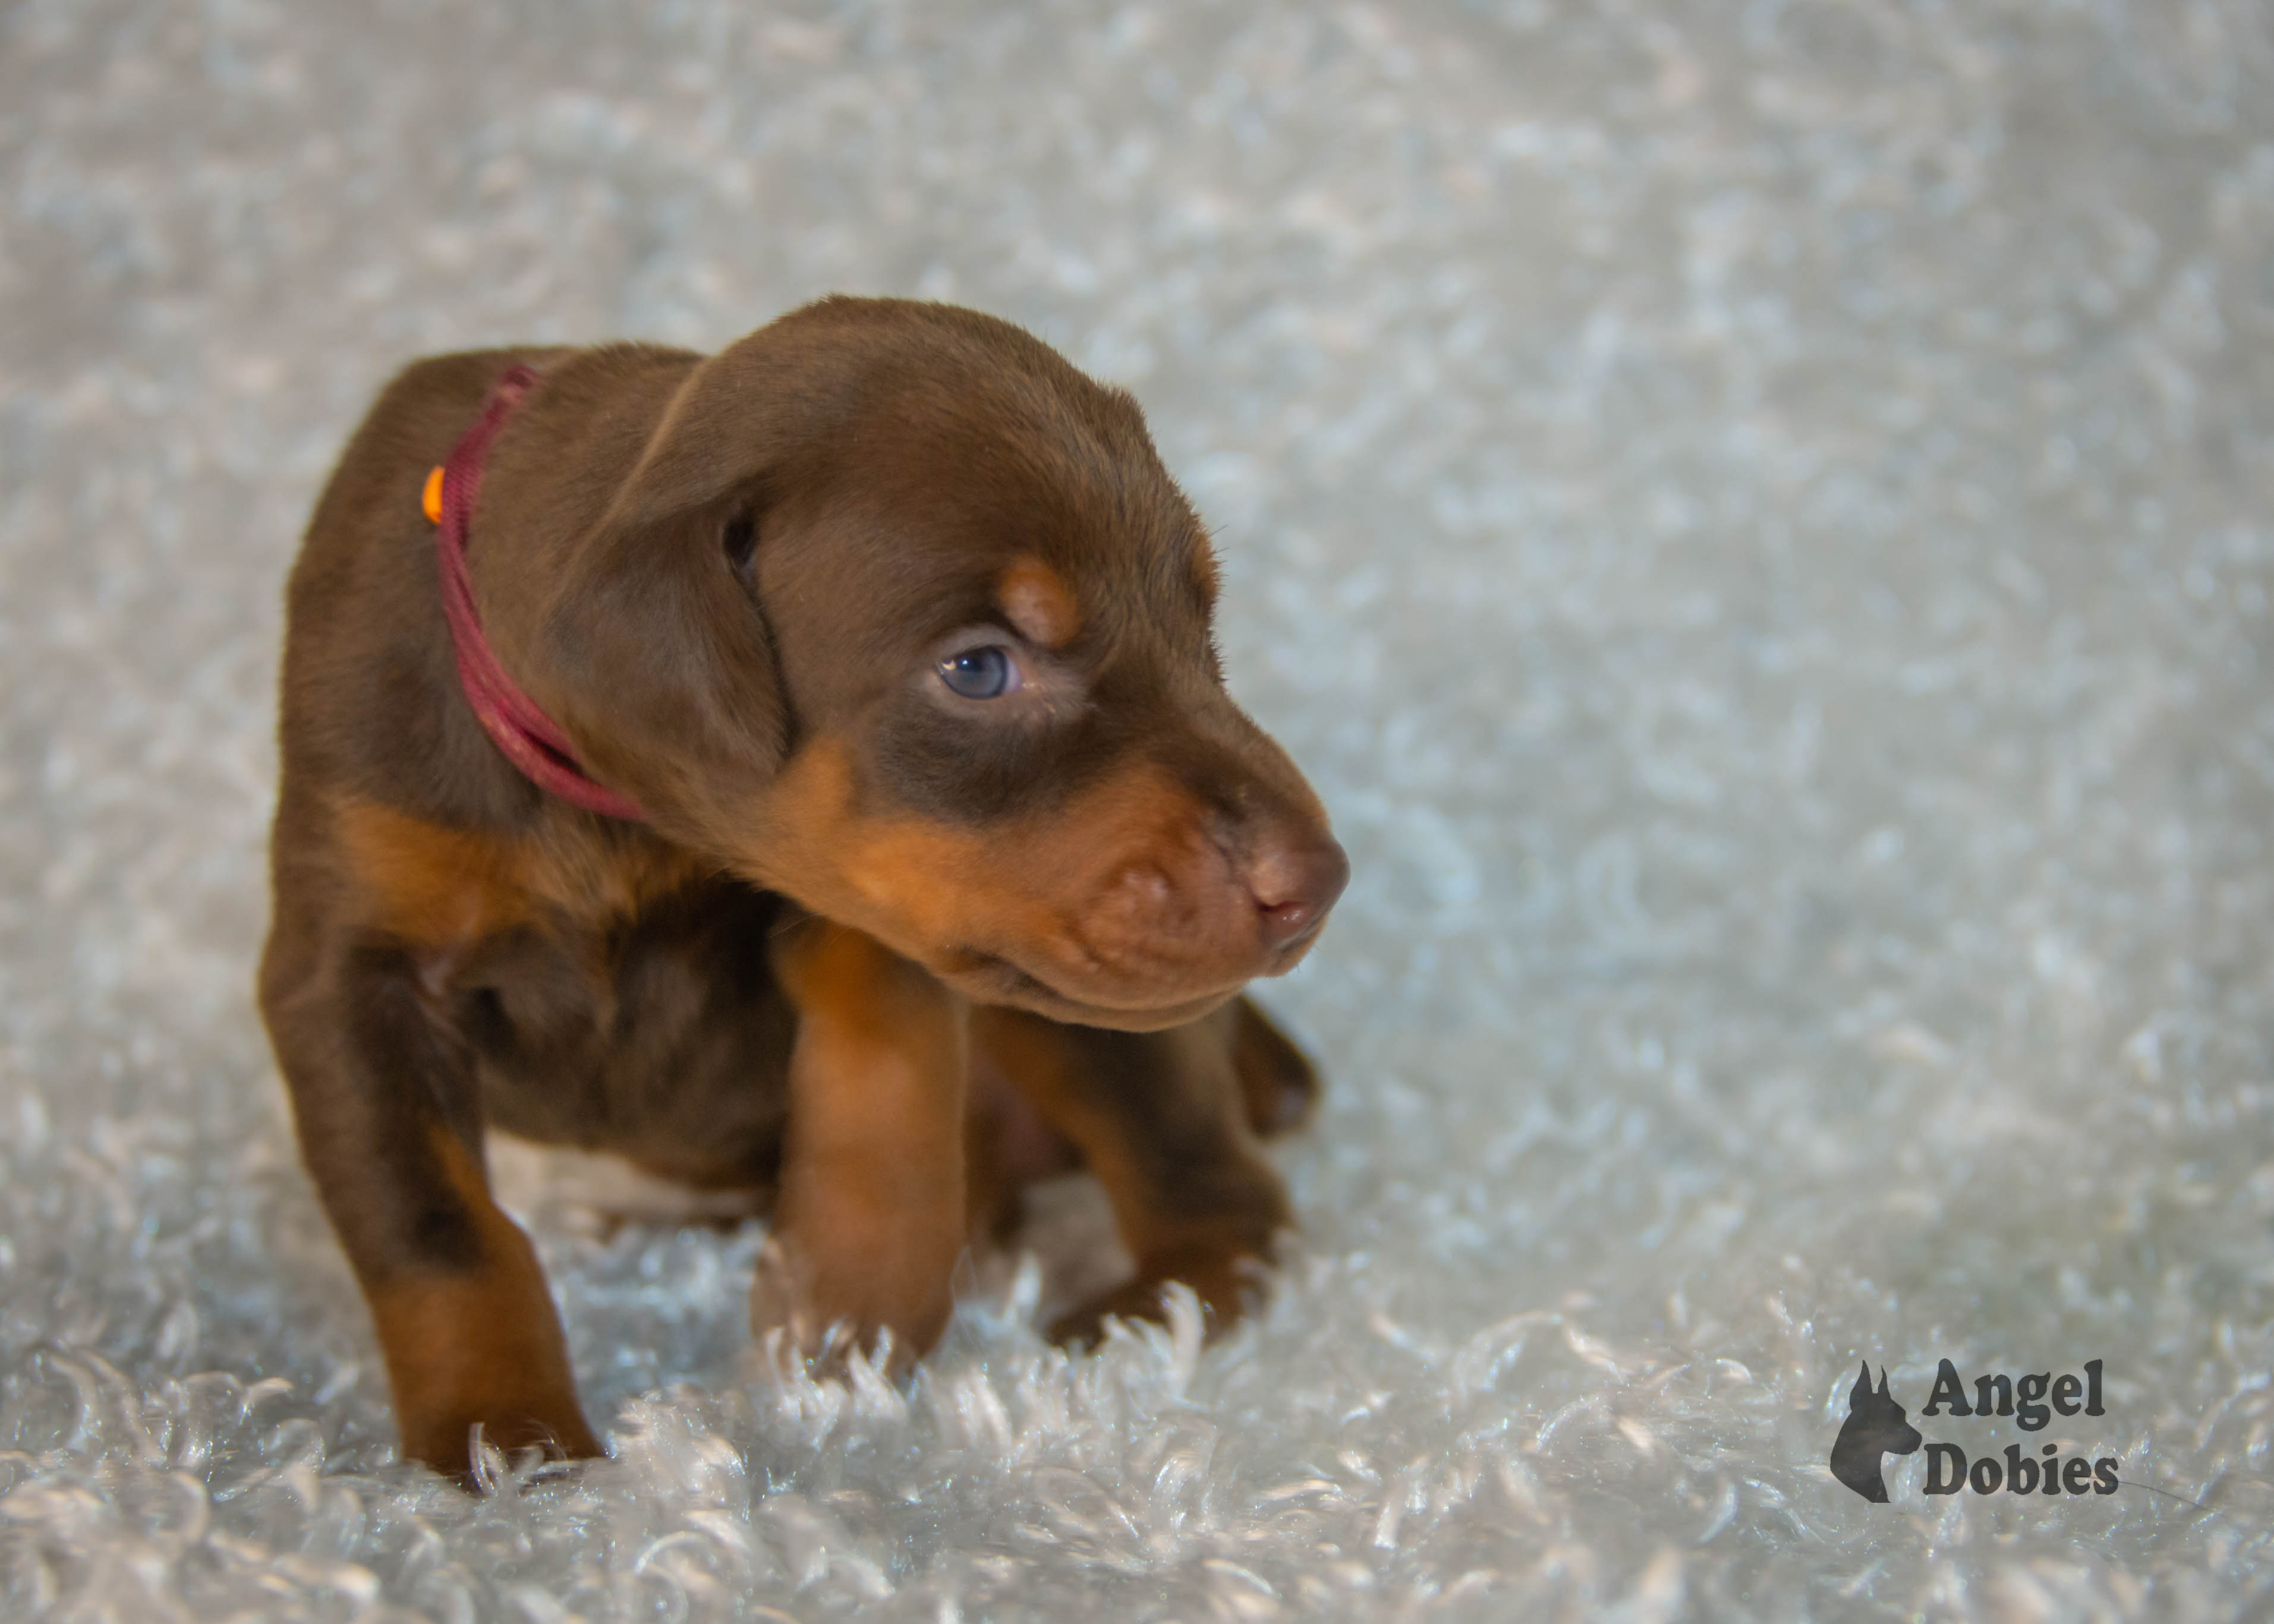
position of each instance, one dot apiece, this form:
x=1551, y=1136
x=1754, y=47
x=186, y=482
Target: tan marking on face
x=481, y=1344
x=1041, y=605
x=1112, y=908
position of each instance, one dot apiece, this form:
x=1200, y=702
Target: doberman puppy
x=802, y=769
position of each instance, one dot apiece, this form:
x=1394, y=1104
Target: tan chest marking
x=438, y=887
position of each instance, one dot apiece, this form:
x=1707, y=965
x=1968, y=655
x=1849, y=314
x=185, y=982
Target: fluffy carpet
x=1757, y=520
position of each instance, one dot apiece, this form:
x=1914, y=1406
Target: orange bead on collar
x=430, y=498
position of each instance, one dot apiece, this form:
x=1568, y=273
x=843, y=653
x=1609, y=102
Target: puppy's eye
x=980, y=674
x=740, y=540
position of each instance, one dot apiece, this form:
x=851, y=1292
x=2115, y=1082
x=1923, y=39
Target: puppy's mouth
x=1156, y=944
x=1135, y=906
x=991, y=978
x=1007, y=977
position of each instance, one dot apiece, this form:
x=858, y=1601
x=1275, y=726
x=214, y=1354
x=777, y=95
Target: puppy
x=805, y=771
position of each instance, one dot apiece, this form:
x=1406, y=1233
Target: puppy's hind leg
x=1162, y=1118
x=1277, y=1079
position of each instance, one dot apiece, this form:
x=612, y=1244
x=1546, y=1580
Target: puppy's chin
x=999, y=978
x=985, y=979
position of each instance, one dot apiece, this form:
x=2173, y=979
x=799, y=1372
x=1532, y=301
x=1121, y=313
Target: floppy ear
x=652, y=650
x=1861, y=1393
x=676, y=655
x=628, y=488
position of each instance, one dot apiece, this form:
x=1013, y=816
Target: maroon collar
x=531, y=740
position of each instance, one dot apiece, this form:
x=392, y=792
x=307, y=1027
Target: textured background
x=1756, y=519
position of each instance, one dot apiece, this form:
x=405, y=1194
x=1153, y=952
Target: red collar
x=531, y=740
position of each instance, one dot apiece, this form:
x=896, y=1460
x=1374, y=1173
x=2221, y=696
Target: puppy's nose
x=1293, y=886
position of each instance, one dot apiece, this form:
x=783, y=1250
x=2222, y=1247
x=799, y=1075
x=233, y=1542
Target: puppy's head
x=900, y=614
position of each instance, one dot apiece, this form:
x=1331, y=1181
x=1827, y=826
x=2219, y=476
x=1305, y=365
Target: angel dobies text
x=2032, y=1400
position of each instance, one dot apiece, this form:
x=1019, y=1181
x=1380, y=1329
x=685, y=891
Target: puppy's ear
x=654, y=639
x=646, y=481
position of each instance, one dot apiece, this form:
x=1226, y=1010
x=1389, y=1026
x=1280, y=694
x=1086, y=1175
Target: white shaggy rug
x=1759, y=520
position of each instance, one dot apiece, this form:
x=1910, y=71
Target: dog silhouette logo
x=1876, y=1427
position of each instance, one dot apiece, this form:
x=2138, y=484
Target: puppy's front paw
x=442, y=1436
x=777, y=1303
x=1226, y=1283
x=781, y=1302
x=895, y=1321
x=1081, y=1329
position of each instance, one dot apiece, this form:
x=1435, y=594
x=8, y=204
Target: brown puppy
x=891, y=633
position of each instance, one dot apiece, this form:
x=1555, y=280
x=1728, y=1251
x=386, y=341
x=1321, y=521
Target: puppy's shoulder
x=366, y=655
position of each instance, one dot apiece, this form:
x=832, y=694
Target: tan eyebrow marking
x=1039, y=603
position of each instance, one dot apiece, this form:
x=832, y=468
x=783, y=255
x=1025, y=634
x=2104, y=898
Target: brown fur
x=831, y=969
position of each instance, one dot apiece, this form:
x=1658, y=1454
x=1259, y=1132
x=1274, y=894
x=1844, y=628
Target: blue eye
x=980, y=674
